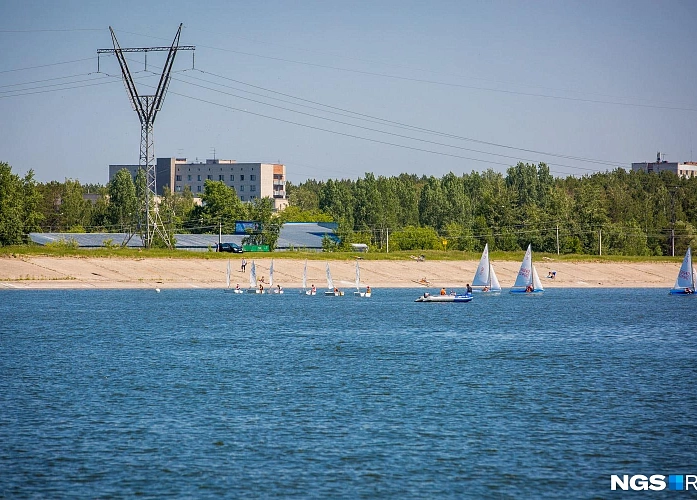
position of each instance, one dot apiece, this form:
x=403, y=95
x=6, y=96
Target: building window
x=199, y=178
x=178, y=189
x=252, y=187
x=209, y=177
x=252, y=177
x=241, y=177
x=232, y=178
x=252, y=197
x=242, y=198
x=188, y=177
x=179, y=177
x=241, y=188
x=221, y=177
x=198, y=188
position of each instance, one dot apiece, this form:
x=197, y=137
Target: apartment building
x=250, y=180
x=681, y=169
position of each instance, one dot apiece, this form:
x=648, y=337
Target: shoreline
x=46, y=272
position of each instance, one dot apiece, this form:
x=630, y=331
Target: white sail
x=481, y=277
x=536, y=283
x=253, y=276
x=524, y=277
x=493, y=280
x=227, y=274
x=305, y=276
x=686, y=276
x=271, y=274
x=330, y=283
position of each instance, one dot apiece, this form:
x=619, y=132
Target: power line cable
x=47, y=65
x=413, y=127
x=402, y=136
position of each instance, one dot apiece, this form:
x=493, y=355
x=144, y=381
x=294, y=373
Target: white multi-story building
x=684, y=169
x=250, y=180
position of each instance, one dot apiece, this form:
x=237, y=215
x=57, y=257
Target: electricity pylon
x=147, y=106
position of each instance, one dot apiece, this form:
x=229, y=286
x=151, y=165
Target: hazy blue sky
x=337, y=89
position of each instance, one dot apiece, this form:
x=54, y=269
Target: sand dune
x=38, y=272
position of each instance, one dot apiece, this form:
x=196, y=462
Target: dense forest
x=632, y=212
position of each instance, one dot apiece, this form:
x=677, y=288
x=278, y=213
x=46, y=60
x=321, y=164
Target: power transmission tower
x=147, y=106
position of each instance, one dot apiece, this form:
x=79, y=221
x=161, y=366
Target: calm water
x=201, y=393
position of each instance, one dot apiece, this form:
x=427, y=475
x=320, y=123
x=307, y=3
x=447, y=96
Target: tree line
x=632, y=212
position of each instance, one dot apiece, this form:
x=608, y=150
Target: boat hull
x=680, y=292
x=522, y=291
x=444, y=298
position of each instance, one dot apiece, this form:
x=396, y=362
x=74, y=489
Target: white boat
x=485, y=279
x=685, y=283
x=331, y=290
x=305, y=291
x=278, y=289
x=527, y=280
x=358, y=292
x=427, y=297
x=253, y=280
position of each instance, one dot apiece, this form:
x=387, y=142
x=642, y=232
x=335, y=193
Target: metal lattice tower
x=147, y=106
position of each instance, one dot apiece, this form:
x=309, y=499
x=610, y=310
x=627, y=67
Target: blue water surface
x=202, y=393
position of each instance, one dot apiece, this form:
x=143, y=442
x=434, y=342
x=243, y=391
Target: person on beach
x=244, y=264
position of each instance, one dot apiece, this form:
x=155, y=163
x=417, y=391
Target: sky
x=338, y=89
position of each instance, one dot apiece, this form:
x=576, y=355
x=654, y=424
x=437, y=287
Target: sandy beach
x=41, y=272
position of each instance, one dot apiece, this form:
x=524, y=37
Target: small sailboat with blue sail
x=687, y=276
x=527, y=280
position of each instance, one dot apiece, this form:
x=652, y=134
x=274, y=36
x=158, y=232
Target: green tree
x=123, y=204
x=19, y=206
x=221, y=208
x=75, y=211
x=262, y=210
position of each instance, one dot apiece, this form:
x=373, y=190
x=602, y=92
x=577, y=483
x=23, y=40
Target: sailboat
x=227, y=280
x=253, y=280
x=527, y=281
x=305, y=291
x=358, y=292
x=331, y=291
x=685, y=283
x=485, y=279
x=278, y=289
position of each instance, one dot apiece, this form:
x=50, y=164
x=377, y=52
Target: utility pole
x=147, y=106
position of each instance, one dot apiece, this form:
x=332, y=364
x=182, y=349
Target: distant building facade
x=686, y=169
x=250, y=180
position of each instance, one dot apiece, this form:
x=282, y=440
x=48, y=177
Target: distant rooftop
x=293, y=236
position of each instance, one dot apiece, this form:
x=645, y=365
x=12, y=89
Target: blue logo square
x=676, y=483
